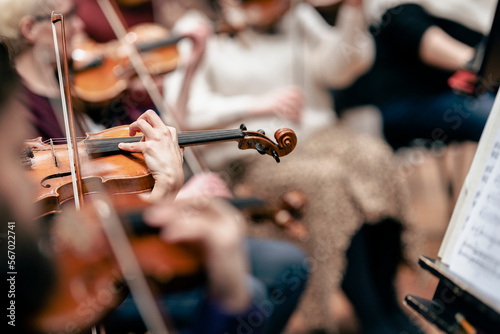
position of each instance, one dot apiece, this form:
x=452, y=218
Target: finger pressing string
x=132, y=147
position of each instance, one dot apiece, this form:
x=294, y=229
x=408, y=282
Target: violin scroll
x=286, y=142
x=287, y=139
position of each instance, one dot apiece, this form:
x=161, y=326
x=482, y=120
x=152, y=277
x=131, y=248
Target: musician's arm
x=439, y=49
x=208, y=108
x=342, y=52
x=220, y=230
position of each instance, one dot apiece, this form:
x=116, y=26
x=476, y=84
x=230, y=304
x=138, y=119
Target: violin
x=121, y=172
x=90, y=282
x=101, y=72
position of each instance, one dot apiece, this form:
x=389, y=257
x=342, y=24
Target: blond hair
x=11, y=13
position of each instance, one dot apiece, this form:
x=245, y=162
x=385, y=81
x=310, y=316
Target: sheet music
x=483, y=182
x=476, y=255
x=473, y=184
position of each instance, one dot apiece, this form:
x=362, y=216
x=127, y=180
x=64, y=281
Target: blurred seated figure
x=276, y=72
x=27, y=29
x=156, y=18
x=419, y=46
x=350, y=180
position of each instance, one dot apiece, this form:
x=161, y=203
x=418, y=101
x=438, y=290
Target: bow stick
x=113, y=229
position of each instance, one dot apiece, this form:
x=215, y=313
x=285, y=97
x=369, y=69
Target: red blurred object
x=464, y=81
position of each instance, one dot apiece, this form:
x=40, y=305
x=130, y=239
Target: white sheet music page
x=476, y=255
x=481, y=168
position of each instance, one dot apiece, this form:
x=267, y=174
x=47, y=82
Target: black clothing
x=398, y=72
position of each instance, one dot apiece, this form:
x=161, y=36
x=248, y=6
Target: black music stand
x=456, y=307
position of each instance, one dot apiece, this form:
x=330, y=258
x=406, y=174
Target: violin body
x=103, y=71
x=49, y=170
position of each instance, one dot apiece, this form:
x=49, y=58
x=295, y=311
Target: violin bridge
x=53, y=153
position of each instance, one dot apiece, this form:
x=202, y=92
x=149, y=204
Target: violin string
x=108, y=145
x=184, y=138
x=195, y=135
x=111, y=144
x=47, y=141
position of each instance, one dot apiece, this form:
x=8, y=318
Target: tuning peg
x=260, y=148
x=243, y=127
x=275, y=156
x=261, y=131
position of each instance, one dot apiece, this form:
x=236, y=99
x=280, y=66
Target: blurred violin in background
x=102, y=71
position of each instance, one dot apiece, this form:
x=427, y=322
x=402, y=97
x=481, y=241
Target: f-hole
x=53, y=176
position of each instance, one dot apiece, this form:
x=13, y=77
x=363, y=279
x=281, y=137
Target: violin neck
x=110, y=145
x=148, y=46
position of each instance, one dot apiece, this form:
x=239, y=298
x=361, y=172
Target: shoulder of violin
x=117, y=131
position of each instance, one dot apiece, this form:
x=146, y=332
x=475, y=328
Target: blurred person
x=26, y=27
x=276, y=72
x=419, y=46
x=275, y=271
